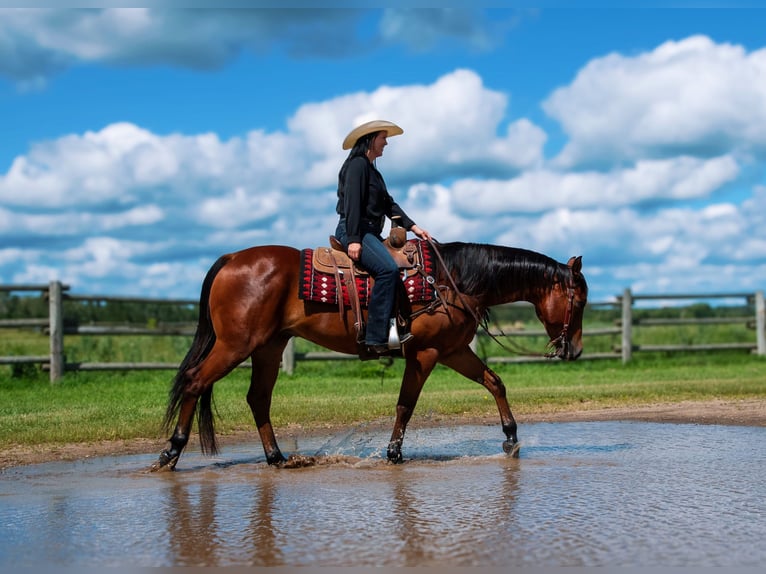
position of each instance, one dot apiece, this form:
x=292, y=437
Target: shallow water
x=581, y=494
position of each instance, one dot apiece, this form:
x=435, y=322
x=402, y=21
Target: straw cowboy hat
x=390, y=128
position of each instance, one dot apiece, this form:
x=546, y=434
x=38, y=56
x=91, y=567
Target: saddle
x=330, y=259
x=331, y=276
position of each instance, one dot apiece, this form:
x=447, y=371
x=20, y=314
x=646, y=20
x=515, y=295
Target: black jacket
x=364, y=201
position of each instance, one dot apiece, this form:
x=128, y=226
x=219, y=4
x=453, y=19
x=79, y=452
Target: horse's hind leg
x=169, y=457
x=197, y=381
x=266, y=362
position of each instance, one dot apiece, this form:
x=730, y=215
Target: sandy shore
x=746, y=412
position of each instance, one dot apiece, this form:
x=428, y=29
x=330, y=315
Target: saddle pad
x=321, y=287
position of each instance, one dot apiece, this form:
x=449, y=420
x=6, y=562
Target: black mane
x=493, y=270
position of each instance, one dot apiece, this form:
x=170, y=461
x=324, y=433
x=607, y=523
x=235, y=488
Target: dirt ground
x=744, y=413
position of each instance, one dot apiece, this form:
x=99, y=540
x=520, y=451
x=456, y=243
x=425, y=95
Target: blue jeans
x=382, y=267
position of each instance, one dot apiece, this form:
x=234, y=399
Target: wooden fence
x=758, y=322
x=54, y=327
x=628, y=322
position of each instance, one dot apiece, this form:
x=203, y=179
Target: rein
x=479, y=322
x=454, y=285
x=562, y=339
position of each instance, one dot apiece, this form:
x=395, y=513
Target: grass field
x=92, y=406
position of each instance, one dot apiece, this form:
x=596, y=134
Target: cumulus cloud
x=125, y=165
x=75, y=223
x=452, y=127
x=687, y=97
x=643, y=205
x=648, y=181
x=37, y=43
x=187, y=195
x=671, y=250
x=238, y=207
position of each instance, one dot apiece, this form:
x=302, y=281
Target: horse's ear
x=575, y=263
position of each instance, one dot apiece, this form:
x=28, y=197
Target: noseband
x=560, y=344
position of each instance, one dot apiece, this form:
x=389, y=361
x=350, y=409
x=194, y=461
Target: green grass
x=92, y=406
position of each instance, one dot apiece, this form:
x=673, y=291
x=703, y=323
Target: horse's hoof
x=394, y=454
x=166, y=462
x=276, y=459
x=511, y=448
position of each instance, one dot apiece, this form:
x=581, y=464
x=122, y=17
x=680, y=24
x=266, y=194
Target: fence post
x=288, y=357
x=760, y=323
x=56, y=325
x=627, y=325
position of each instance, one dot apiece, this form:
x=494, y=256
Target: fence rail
x=56, y=327
x=628, y=299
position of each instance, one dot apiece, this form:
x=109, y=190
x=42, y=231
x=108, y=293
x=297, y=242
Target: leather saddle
x=334, y=258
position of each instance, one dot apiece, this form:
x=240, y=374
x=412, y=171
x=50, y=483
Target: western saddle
x=335, y=260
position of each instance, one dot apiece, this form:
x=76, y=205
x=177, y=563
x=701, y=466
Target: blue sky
x=139, y=144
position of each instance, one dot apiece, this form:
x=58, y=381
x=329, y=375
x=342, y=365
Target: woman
x=363, y=205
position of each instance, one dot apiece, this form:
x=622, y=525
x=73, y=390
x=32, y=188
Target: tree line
x=15, y=306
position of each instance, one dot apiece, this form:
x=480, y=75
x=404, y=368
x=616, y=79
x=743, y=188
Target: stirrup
x=393, y=336
x=405, y=337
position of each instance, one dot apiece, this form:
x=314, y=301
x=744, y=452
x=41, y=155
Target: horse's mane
x=493, y=270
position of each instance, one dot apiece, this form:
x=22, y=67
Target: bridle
x=560, y=344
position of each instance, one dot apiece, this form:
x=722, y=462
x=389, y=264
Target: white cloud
x=692, y=97
x=126, y=165
x=680, y=238
x=433, y=208
x=13, y=256
x=76, y=223
x=138, y=211
x=237, y=208
x=92, y=169
x=543, y=190
x=450, y=128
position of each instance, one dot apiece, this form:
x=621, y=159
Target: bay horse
x=249, y=307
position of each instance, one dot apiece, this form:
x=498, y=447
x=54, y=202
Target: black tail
x=203, y=342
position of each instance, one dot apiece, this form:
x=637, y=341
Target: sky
x=139, y=144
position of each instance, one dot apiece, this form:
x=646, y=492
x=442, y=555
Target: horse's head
x=561, y=310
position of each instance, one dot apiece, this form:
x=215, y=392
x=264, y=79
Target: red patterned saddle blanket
x=320, y=285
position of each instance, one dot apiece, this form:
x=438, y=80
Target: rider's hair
x=360, y=148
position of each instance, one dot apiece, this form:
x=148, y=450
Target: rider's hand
x=422, y=233
x=355, y=251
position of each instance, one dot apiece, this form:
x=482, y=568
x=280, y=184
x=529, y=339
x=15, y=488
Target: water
x=581, y=494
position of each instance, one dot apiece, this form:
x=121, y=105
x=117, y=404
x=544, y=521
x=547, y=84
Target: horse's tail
x=204, y=339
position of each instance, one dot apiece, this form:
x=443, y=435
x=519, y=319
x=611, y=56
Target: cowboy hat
x=390, y=128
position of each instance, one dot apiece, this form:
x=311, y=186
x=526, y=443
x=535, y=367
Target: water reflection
x=455, y=521
x=220, y=523
x=592, y=494
x=359, y=511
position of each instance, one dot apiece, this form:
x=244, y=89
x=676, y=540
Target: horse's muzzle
x=562, y=348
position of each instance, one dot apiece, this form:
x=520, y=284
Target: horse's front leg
x=416, y=371
x=465, y=362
